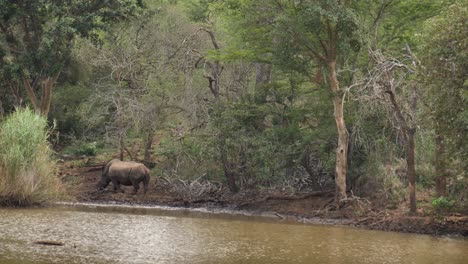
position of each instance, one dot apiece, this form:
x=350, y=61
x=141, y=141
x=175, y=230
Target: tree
x=36, y=39
x=389, y=82
x=199, y=12
x=444, y=54
x=311, y=37
x=137, y=75
x=394, y=23
x=391, y=75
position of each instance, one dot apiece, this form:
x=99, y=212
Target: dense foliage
x=367, y=96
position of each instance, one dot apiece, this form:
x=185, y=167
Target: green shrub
x=443, y=204
x=382, y=179
x=27, y=173
x=81, y=148
x=88, y=149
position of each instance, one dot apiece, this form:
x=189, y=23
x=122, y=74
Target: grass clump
x=443, y=204
x=27, y=172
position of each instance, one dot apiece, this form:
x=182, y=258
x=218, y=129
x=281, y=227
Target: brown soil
x=306, y=207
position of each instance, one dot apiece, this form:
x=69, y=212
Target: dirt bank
x=306, y=207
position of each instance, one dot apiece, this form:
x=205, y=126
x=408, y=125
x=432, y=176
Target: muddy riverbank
x=303, y=207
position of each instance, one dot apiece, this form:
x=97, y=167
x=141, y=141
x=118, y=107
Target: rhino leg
x=146, y=183
x=136, y=186
x=116, y=185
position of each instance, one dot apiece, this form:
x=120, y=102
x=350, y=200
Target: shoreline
x=268, y=216
x=307, y=207
x=423, y=225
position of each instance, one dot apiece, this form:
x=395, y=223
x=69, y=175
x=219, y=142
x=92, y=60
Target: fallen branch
x=362, y=220
x=102, y=164
x=212, y=200
x=325, y=207
x=280, y=216
x=290, y=197
x=49, y=243
x=94, y=169
x=379, y=222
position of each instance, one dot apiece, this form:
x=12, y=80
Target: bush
x=383, y=180
x=88, y=149
x=27, y=173
x=80, y=147
x=443, y=204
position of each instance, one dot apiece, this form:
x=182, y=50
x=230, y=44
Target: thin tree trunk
x=216, y=68
x=410, y=155
x=32, y=96
x=41, y=107
x=411, y=174
x=15, y=91
x=2, y=111
x=46, y=98
x=262, y=74
x=231, y=178
x=216, y=72
x=47, y=88
x=342, y=148
x=129, y=153
x=148, y=146
x=440, y=166
x=121, y=146
x=228, y=173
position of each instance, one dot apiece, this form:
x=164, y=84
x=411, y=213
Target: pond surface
x=141, y=235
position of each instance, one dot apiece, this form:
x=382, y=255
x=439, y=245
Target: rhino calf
x=126, y=173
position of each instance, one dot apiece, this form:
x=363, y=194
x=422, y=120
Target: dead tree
x=388, y=82
x=215, y=67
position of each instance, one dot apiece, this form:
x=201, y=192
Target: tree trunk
x=214, y=79
x=2, y=111
x=121, y=146
x=32, y=96
x=228, y=173
x=14, y=87
x=41, y=107
x=46, y=98
x=216, y=68
x=342, y=148
x=262, y=74
x=440, y=165
x=148, y=146
x=231, y=181
x=411, y=174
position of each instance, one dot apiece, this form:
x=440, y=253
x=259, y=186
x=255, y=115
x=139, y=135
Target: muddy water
x=141, y=235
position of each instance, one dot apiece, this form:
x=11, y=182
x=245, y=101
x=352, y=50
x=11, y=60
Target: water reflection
x=148, y=236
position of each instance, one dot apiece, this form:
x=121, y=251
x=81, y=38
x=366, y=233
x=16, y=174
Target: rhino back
x=126, y=171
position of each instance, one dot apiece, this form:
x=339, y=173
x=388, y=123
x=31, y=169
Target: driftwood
x=285, y=197
x=293, y=197
x=280, y=216
x=49, y=243
x=212, y=200
x=362, y=220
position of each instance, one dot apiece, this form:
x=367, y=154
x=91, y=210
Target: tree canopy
x=366, y=98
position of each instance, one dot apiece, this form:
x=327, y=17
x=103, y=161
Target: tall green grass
x=27, y=172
